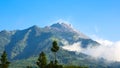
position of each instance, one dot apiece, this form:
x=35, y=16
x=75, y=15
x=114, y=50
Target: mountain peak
x=34, y=27
x=61, y=25
x=65, y=27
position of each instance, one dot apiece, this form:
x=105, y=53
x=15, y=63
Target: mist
x=108, y=50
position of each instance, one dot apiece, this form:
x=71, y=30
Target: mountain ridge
x=20, y=41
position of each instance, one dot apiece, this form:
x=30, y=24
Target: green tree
x=54, y=49
x=42, y=61
x=4, y=61
x=29, y=67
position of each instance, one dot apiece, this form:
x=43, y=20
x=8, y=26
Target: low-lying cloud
x=108, y=50
x=74, y=47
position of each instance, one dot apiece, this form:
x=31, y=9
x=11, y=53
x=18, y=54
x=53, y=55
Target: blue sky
x=92, y=17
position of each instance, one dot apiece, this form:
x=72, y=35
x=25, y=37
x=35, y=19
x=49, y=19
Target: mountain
x=28, y=43
x=33, y=40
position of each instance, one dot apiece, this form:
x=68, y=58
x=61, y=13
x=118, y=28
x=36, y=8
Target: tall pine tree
x=42, y=61
x=4, y=61
x=54, y=49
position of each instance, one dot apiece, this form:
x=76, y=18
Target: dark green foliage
x=4, y=61
x=42, y=61
x=52, y=65
x=29, y=67
x=54, y=49
x=72, y=66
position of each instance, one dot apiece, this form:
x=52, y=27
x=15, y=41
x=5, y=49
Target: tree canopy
x=54, y=49
x=42, y=60
x=4, y=61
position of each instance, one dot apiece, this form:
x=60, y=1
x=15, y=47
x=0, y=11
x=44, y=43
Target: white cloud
x=72, y=47
x=108, y=50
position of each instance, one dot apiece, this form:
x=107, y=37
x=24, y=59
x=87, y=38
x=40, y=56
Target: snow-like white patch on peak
x=62, y=24
x=62, y=21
